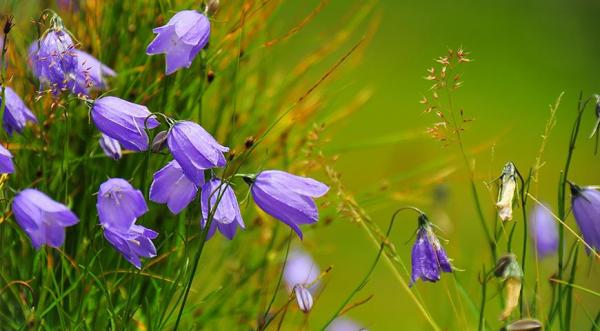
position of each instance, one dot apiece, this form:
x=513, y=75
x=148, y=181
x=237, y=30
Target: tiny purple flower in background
x=181, y=39
x=6, y=163
x=43, y=219
x=287, y=197
x=119, y=204
x=91, y=72
x=124, y=121
x=544, y=231
x=585, y=202
x=226, y=216
x=195, y=150
x=132, y=243
x=344, y=324
x=110, y=147
x=16, y=114
x=428, y=257
x=171, y=186
x=54, y=61
x=301, y=275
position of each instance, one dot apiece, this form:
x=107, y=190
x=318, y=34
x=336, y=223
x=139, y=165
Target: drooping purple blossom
x=344, y=324
x=119, y=204
x=195, y=150
x=110, y=147
x=223, y=206
x=6, y=163
x=428, y=257
x=543, y=231
x=43, y=219
x=132, y=243
x=54, y=61
x=173, y=187
x=585, y=202
x=301, y=275
x=124, y=121
x=181, y=39
x=16, y=114
x=287, y=197
x=91, y=72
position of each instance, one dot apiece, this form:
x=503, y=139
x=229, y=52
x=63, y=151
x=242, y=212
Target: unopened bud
x=159, y=142
x=508, y=186
x=212, y=7
x=508, y=267
x=304, y=298
x=8, y=25
x=527, y=324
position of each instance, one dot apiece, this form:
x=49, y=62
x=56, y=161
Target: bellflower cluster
x=16, y=114
x=585, y=202
x=428, y=257
x=119, y=205
x=43, y=219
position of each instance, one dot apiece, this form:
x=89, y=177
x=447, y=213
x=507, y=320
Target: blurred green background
x=525, y=53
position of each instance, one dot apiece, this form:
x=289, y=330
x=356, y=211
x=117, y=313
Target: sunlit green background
x=525, y=53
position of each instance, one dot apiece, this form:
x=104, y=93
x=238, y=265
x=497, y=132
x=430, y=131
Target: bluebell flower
x=16, y=114
x=124, y=121
x=43, y=219
x=132, y=243
x=428, y=257
x=171, y=186
x=181, y=39
x=544, y=231
x=301, y=275
x=585, y=202
x=119, y=204
x=195, y=150
x=91, y=73
x=287, y=197
x=224, y=207
x=110, y=147
x=6, y=163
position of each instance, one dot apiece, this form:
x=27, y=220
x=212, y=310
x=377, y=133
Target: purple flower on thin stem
x=181, y=39
x=124, y=121
x=224, y=207
x=91, y=72
x=301, y=275
x=110, y=147
x=543, y=231
x=428, y=257
x=585, y=202
x=16, y=114
x=195, y=150
x=6, y=163
x=171, y=186
x=43, y=219
x=119, y=205
x=287, y=197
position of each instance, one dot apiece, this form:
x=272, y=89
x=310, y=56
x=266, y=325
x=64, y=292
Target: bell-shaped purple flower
x=171, y=186
x=181, y=39
x=287, y=197
x=119, y=204
x=43, y=219
x=585, y=202
x=195, y=150
x=91, y=73
x=54, y=62
x=16, y=114
x=124, y=121
x=6, y=163
x=543, y=231
x=223, y=206
x=110, y=147
x=429, y=259
x=132, y=243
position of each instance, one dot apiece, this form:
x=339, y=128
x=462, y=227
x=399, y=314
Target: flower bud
x=159, y=142
x=526, y=324
x=508, y=270
x=304, y=298
x=508, y=267
x=508, y=186
x=212, y=7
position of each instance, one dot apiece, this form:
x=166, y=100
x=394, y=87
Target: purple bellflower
x=585, y=202
x=195, y=150
x=124, y=121
x=543, y=231
x=428, y=257
x=287, y=197
x=16, y=114
x=301, y=275
x=91, y=72
x=54, y=61
x=344, y=324
x=224, y=207
x=6, y=163
x=110, y=147
x=171, y=186
x=181, y=39
x=119, y=205
x=43, y=219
